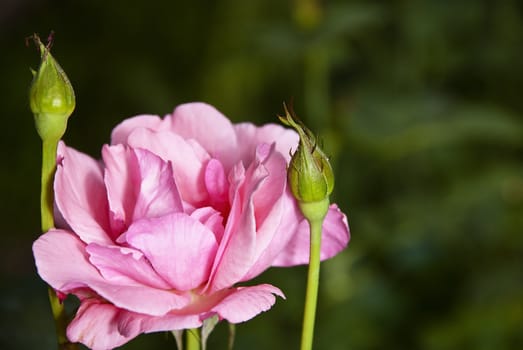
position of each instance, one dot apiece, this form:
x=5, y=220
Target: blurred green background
x=419, y=103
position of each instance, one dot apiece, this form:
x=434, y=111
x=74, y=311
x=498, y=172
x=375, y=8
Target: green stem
x=192, y=339
x=232, y=335
x=48, y=170
x=46, y=212
x=57, y=307
x=313, y=279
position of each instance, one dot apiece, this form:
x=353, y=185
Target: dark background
x=419, y=104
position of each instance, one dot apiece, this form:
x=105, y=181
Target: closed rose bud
x=310, y=174
x=51, y=96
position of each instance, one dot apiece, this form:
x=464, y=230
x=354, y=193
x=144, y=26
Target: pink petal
x=187, y=161
x=62, y=262
x=139, y=184
x=247, y=302
x=121, y=265
x=250, y=136
x=270, y=206
x=210, y=218
x=122, y=131
x=236, y=253
x=149, y=324
x=80, y=195
x=274, y=236
x=209, y=127
x=273, y=187
x=140, y=298
x=97, y=325
x=180, y=248
x=335, y=238
x=120, y=184
x=157, y=193
x=217, y=185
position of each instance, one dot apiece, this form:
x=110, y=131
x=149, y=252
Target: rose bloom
x=160, y=234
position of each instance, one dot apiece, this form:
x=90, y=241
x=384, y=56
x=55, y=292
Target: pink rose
x=160, y=234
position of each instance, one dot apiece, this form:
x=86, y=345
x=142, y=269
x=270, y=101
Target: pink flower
x=179, y=212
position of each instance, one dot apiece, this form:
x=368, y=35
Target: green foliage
x=417, y=103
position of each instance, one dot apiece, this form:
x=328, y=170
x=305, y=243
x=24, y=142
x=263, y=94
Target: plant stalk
x=47, y=219
x=46, y=196
x=192, y=338
x=313, y=279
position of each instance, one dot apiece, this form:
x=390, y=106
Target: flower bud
x=310, y=174
x=51, y=96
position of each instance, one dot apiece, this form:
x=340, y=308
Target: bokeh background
x=419, y=104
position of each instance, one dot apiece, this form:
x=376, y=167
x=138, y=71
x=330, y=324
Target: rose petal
x=157, y=194
x=335, y=237
x=80, y=195
x=139, y=184
x=149, y=324
x=236, y=253
x=212, y=219
x=274, y=235
x=62, y=262
x=140, y=298
x=273, y=187
x=122, y=131
x=120, y=184
x=180, y=248
x=97, y=325
x=123, y=265
x=212, y=130
x=187, y=163
x=250, y=136
x=217, y=185
x=270, y=205
x=247, y=302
